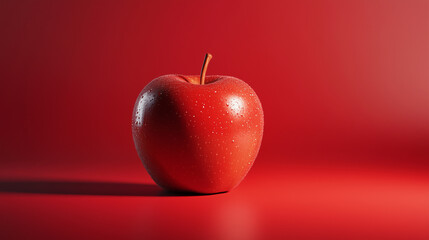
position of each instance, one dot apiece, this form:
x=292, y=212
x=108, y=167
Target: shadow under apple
x=66, y=187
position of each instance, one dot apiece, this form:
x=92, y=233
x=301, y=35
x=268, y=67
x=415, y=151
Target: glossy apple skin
x=197, y=138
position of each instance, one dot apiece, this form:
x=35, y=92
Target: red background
x=344, y=86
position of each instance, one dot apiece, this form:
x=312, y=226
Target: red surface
x=345, y=91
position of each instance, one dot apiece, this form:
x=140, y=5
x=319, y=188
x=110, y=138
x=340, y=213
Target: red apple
x=196, y=133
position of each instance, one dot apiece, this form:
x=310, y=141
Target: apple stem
x=207, y=59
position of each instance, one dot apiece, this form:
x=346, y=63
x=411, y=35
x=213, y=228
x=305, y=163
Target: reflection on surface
x=144, y=101
x=235, y=220
x=236, y=105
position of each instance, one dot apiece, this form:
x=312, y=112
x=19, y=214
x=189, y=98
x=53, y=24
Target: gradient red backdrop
x=344, y=86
